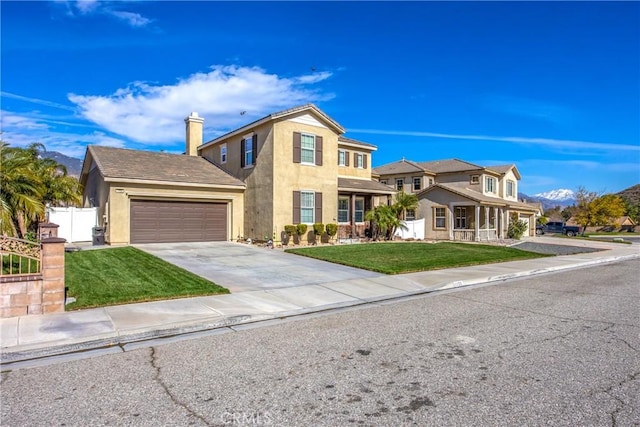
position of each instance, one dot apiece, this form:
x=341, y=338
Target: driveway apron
x=241, y=268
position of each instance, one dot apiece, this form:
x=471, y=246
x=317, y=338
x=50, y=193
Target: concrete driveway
x=241, y=268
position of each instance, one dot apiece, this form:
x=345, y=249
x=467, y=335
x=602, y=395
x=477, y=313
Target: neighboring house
x=623, y=223
x=289, y=167
x=460, y=200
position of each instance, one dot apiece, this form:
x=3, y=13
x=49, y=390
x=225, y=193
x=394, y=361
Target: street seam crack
x=174, y=399
x=622, y=403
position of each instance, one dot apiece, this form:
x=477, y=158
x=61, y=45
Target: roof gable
x=503, y=169
x=302, y=110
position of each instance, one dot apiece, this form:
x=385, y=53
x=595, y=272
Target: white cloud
x=131, y=18
x=154, y=114
x=21, y=131
x=547, y=142
x=91, y=7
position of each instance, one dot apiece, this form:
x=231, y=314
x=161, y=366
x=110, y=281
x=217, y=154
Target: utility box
x=98, y=236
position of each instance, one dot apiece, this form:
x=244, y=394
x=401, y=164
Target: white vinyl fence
x=76, y=224
x=414, y=230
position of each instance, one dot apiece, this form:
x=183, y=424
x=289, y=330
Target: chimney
x=194, y=133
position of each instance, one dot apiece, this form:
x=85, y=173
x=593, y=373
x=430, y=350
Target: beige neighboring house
x=460, y=200
x=290, y=167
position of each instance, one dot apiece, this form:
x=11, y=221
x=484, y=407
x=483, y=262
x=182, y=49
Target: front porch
x=478, y=223
x=355, y=198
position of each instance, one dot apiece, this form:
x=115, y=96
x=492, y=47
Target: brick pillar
x=53, y=275
x=47, y=229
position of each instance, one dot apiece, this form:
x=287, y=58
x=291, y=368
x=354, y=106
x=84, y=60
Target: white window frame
x=511, y=188
x=248, y=152
x=342, y=158
x=437, y=217
x=305, y=206
x=359, y=161
x=348, y=200
x=475, y=179
x=489, y=184
x=419, y=181
x=399, y=184
x=358, y=212
x=430, y=181
x=223, y=153
x=303, y=149
x=461, y=218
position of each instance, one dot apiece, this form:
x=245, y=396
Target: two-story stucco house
x=460, y=200
x=290, y=167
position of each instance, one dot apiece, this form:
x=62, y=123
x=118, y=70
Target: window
x=411, y=215
x=307, y=207
x=417, y=184
x=489, y=184
x=223, y=153
x=399, y=184
x=430, y=181
x=248, y=147
x=510, y=188
x=343, y=209
x=440, y=218
x=383, y=181
x=342, y=158
x=475, y=179
x=359, y=161
x=308, y=149
x=461, y=217
x=359, y=209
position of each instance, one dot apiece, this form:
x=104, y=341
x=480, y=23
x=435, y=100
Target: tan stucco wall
x=299, y=177
x=438, y=198
x=352, y=171
x=120, y=195
x=509, y=176
x=96, y=193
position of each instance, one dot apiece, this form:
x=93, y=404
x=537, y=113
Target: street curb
x=119, y=340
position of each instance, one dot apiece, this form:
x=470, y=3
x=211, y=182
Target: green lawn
x=395, y=258
x=123, y=275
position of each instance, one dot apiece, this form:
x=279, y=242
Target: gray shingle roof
x=121, y=163
x=448, y=165
x=399, y=167
x=364, y=185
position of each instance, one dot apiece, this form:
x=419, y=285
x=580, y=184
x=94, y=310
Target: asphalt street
x=557, y=349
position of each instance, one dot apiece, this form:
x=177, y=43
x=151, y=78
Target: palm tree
x=384, y=221
x=404, y=202
x=20, y=191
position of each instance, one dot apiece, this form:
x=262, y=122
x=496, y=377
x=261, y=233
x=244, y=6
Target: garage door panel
x=154, y=221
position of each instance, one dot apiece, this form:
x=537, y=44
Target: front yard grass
x=112, y=276
x=408, y=257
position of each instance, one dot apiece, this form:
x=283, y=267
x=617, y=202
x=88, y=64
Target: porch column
x=486, y=220
x=506, y=220
x=495, y=221
x=451, y=222
x=500, y=223
x=477, y=224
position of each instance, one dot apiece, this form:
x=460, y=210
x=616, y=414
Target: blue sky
x=553, y=87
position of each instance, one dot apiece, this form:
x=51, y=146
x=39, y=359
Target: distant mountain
x=551, y=199
x=631, y=194
x=559, y=195
x=73, y=165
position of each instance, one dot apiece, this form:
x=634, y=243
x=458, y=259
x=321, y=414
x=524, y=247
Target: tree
x=28, y=183
x=404, y=202
x=593, y=209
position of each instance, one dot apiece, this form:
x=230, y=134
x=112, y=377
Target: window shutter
x=254, y=147
x=355, y=160
x=296, y=147
x=242, y=147
x=346, y=158
x=318, y=151
x=296, y=207
x=364, y=161
x=318, y=213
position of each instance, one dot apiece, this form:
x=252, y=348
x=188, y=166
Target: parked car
x=558, y=227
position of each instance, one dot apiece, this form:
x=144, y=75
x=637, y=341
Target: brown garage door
x=155, y=221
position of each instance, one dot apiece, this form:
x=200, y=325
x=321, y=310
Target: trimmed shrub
x=318, y=229
x=290, y=230
x=301, y=229
x=332, y=229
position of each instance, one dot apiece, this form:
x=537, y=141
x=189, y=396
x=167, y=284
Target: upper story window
x=511, y=188
x=249, y=147
x=489, y=184
x=475, y=179
x=343, y=159
x=417, y=184
x=430, y=181
x=399, y=184
x=223, y=153
x=360, y=160
x=383, y=181
x=307, y=149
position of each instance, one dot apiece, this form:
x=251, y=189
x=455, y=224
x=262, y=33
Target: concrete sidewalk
x=37, y=336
